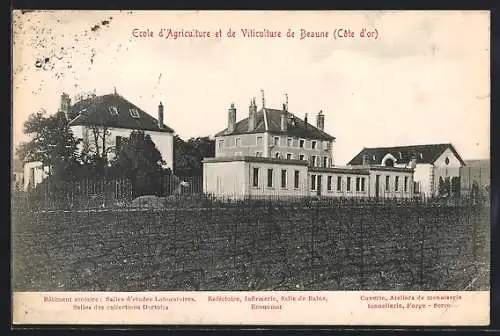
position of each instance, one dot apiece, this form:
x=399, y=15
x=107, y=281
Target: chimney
x=305, y=120
x=284, y=123
x=65, y=104
x=263, y=99
x=160, y=115
x=231, y=120
x=252, y=111
x=320, y=120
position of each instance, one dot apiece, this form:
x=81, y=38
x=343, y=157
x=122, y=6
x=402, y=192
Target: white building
x=117, y=116
x=431, y=163
x=274, y=153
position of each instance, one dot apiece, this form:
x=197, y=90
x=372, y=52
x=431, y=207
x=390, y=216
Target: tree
x=52, y=143
x=96, y=144
x=188, y=155
x=140, y=161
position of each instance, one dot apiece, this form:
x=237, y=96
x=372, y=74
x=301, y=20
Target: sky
x=424, y=78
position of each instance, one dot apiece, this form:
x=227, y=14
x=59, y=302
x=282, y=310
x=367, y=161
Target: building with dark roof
x=115, y=115
x=433, y=163
x=272, y=152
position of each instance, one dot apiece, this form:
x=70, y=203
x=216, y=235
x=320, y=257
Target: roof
x=404, y=154
x=483, y=163
x=296, y=127
x=96, y=111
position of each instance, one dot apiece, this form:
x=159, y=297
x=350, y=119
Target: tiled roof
x=404, y=154
x=96, y=111
x=296, y=127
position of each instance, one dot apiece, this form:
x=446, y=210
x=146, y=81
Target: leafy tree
x=188, y=155
x=52, y=143
x=140, y=161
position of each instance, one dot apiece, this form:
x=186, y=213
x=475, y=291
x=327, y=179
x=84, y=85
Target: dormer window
x=113, y=110
x=134, y=113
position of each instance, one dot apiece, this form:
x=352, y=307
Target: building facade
x=102, y=123
x=433, y=163
x=274, y=153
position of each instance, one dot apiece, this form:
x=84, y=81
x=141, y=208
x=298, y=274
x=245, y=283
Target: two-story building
x=275, y=153
x=102, y=122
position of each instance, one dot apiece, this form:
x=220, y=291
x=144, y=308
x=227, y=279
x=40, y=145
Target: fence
x=309, y=244
x=98, y=193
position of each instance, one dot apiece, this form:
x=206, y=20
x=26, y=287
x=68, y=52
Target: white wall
x=343, y=192
x=453, y=160
x=163, y=141
x=227, y=179
x=422, y=175
x=276, y=190
x=391, y=192
x=34, y=172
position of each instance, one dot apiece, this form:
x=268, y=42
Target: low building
x=475, y=174
x=433, y=164
x=17, y=174
x=102, y=122
x=274, y=153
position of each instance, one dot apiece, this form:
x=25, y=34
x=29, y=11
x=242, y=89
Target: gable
x=113, y=111
x=448, y=159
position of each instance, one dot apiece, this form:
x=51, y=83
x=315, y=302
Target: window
x=238, y=142
x=258, y=154
x=313, y=161
x=339, y=183
x=362, y=184
x=283, y=178
x=348, y=188
x=113, y=110
x=269, y=178
x=255, y=177
x=301, y=157
x=329, y=183
x=277, y=155
x=276, y=141
x=313, y=182
x=313, y=144
x=406, y=184
x=289, y=142
x=289, y=156
x=325, y=161
x=259, y=141
x=326, y=145
x=134, y=113
x=221, y=144
x=296, y=179
x=32, y=177
x=118, y=144
x=396, y=183
x=358, y=183
x=387, y=183
x=301, y=143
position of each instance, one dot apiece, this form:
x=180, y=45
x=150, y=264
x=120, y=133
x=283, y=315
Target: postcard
x=251, y=167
